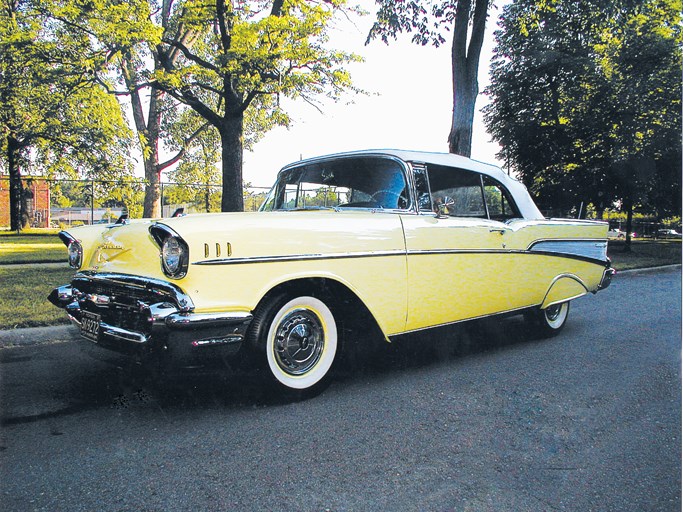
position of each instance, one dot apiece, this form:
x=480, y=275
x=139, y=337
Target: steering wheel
x=401, y=201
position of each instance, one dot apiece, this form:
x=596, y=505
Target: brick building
x=37, y=192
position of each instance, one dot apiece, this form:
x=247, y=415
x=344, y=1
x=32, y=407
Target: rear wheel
x=551, y=320
x=295, y=339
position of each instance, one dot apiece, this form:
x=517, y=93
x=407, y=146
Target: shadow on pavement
x=136, y=387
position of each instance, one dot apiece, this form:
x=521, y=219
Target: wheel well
x=348, y=309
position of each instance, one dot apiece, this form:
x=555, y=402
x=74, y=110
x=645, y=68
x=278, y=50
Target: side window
x=424, y=199
x=458, y=190
x=498, y=201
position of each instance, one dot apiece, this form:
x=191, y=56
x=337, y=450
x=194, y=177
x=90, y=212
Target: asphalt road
x=478, y=417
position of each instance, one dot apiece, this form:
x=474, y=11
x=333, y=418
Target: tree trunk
x=231, y=152
x=464, y=98
x=17, y=201
x=148, y=136
x=465, y=66
x=152, y=203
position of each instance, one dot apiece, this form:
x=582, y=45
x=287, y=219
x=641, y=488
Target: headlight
x=174, y=257
x=75, y=254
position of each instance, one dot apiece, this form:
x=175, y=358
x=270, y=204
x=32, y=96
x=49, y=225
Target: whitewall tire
x=551, y=320
x=300, y=340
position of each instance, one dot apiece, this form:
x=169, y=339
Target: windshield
x=367, y=182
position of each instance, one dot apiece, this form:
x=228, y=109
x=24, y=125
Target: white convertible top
x=521, y=196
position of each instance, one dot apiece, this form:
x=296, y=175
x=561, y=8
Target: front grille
x=128, y=290
x=122, y=300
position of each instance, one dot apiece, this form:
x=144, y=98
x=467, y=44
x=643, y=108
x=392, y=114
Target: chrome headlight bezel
x=174, y=257
x=174, y=252
x=75, y=257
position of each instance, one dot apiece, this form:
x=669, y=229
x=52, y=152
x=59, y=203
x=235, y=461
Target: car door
x=465, y=258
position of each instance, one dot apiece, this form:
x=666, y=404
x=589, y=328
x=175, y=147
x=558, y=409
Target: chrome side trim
x=427, y=252
x=376, y=254
x=299, y=257
x=557, y=254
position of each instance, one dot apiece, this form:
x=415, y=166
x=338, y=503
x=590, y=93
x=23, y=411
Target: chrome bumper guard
x=162, y=321
x=607, y=276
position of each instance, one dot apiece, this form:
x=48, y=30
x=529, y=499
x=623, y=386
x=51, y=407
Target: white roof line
x=519, y=192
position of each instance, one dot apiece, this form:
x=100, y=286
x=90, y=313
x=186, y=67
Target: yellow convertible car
x=408, y=240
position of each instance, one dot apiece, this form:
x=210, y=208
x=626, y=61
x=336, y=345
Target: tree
x=199, y=171
x=586, y=101
x=129, y=36
x=463, y=16
x=50, y=110
x=235, y=60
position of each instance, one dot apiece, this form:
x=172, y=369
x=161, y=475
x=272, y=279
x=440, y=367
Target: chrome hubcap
x=299, y=342
x=553, y=312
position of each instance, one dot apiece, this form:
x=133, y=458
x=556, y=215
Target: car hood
x=131, y=249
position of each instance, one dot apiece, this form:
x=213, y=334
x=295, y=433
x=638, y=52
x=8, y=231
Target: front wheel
x=549, y=321
x=297, y=339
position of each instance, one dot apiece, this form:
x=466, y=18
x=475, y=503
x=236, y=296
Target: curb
x=65, y=333
x=36, y=336
x=649, y=269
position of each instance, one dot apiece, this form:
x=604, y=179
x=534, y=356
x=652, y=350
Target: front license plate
x=90, y=326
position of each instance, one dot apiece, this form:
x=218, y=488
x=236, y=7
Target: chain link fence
x=64, y=202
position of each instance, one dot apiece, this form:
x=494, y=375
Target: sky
x=409, y=104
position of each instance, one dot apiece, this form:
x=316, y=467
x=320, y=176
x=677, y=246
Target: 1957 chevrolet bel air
x=410, y=240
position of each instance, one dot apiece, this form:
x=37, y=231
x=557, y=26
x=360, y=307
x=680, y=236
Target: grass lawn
x=23, y=295
x=28, y=248
x=644, y=253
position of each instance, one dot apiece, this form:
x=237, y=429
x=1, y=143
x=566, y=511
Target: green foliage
x=586, y=102
x=199, y=171
x=253, y=200
x=50, y=103
x=427, y=21
x=126, y=192
x=54, y=118
x=234, y=60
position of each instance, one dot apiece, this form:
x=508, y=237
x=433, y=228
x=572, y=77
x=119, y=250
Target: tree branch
x=188, y=54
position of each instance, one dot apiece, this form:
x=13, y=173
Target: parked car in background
x=405, y=240
x=668, y=233
x=618, y=234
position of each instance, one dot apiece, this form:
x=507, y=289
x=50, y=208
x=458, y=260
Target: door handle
x=497, y=230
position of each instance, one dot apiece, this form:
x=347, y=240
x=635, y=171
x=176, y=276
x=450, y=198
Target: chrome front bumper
x=164, y=326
